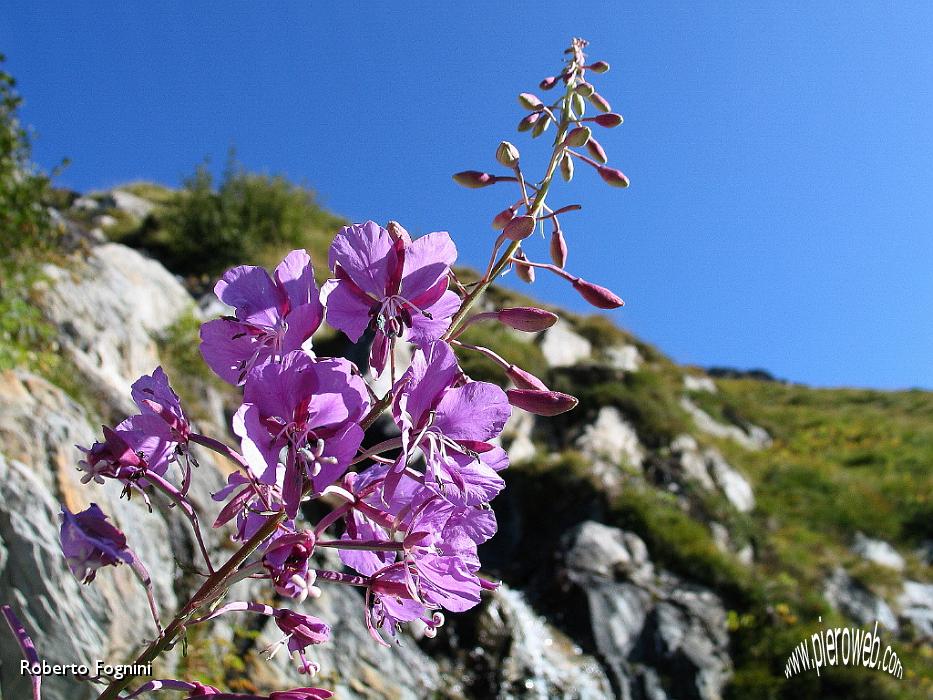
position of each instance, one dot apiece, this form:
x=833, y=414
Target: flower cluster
x=409, y=498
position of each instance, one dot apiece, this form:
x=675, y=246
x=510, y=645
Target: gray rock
x=878, y=552
x=611, y=438
x=135, y=206
x=562, y=347
x=530, y=659
x=735, y=487
x=625, y=358
x=916, y=604
x=107, y=312
x=85, y=204
x=693, y=382
x=753, y=438
x=657, y=635
x=848, y=596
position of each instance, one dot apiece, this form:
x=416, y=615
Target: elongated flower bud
x=577, y=104
x=596, y=150
x=566, y=167
x=558, y=248
x=613, y=177
x=527, y=318
x=599, y=67
x=526, y=273
x=519, y=228
x=529, y=121
x=474, y=179
x=578, y=136
x=524, y=380
x=599, y=102
x=608, y=120
x=548, y=83
x=540, y=402
x=585, y=89
x=530, y=101
x=541, y=126
x=503, y=218
x=600, y=297
x=507, y=154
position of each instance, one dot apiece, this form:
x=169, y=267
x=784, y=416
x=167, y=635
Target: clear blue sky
x=781, y=207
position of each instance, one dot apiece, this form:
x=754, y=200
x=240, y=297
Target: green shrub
x=203, y=230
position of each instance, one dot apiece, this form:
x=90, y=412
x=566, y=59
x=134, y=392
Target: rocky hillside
x=675, y=536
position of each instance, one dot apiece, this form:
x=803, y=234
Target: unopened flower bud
x=474, y=179
x=524, y=380
x=507, y=154
x=548, y=83
x=608, y=120
x=599, y=102
x=613, y=177
x=541, y=126
x=503, y=218
x=529, y=319
x=529, y=101
x=541, y=402
x=599, y=67
x=519, y=228
x=578, y=136
x=529, y=121
x=398, y=232
x=600, y=297
x=596, y=150
x=585, y=89
x=566, y=167
x=558, y=248
x=526, y=273
x=577, y=104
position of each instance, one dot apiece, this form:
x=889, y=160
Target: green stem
x=213, y=587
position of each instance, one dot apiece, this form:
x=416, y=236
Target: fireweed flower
x=307, y=411
x=89, y=542
x=273, y=316
x=287, y=559
x=155, y=396
x=451, y=425
x=252, y=505
x=139, y=444
x=391, y=285
x=200, y=690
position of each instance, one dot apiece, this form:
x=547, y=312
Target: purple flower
x=301, y=631
x=273, y=317
x=90, y=542
x=252, y=505
x=287, y=559
x=309, y=409
x=155, y=396
x=137, y=445
x=200, y=690
x=393, y=285
x=452, y=426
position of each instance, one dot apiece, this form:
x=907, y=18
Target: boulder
x=696, y=383
x=916, y=605
x=851, y=598
x=657, y=635
x=624, y=358
x=611, y=438
x=752, y=438
x=562, y=347
x=878, y=552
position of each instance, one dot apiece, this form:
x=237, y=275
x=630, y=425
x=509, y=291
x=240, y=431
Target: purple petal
x=260, y=448
x=431, y=372
x=253, y=293
x=425, y=330
x=475, y=411
x=295, y=276
x=427, y=261
x=345, y=310
x=225, y=346
x=342, y=446
x=362, y=250
x=301, y=323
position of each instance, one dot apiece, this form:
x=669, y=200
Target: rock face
x=752, y=438
x=710, y=470
x=916, y=604
x=108, y=339
x=856, y=601
x=658, y=636
x=877, y=551
x=564, y=348
x=611, y=438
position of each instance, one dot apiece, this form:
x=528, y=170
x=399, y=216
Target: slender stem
x=337, y=577
x=536, y=206
x=376, y=411
x=215, y=585
x=369, y=545
x=220, y=448
x=142, y=574
x=170, y=491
